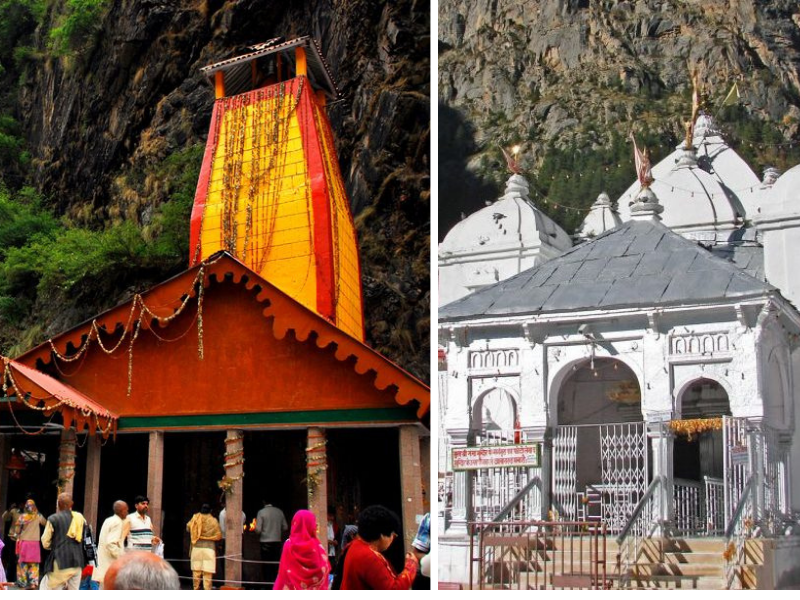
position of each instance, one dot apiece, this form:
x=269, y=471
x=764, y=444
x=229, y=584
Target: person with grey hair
x=139, y=570
x=63, y=536
x=110, y=544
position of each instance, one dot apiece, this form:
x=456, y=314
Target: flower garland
x=315, y=466
x=692, y=427
x=232, y=459
x=9, y=382
x=135, y=322
x=66, y=464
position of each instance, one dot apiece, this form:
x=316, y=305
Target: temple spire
x=696, y=105
x=270, y=191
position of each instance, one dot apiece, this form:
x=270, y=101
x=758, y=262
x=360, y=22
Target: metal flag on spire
x=643, y=167
x=511, y=161
x=733, y=96
x=695, y=111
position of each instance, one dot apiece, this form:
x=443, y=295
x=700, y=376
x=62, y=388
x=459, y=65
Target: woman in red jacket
x=365, y=567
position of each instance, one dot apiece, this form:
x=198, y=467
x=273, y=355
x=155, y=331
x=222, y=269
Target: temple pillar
x=458, y=515
x=317, y=480
x=155, y=478
x=66, y=461
x=410, y=482
x=234, y=472
x=219, y=84
x=91, y=494
x=301, y=66
x=5, y=456
x=662, y=440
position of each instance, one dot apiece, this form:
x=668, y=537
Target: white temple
x=656, y=364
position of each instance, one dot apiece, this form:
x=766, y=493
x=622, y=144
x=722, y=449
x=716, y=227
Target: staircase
x=689, y=563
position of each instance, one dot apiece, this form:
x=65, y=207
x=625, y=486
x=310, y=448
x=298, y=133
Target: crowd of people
x=129, y=553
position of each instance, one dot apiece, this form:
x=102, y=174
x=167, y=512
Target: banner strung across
x=487, y=457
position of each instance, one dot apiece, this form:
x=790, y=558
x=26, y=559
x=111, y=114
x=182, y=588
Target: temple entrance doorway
x=698, y=458
x=601, y=456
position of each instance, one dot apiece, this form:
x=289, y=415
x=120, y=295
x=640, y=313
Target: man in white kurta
x=110, y=544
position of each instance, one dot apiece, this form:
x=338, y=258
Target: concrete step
x=670, y=582
x=688, y=570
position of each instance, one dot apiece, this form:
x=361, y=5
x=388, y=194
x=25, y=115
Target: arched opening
x=494, y=415
x=600, y=451
x=698, y=454
x=698, y=457
x=600, y=390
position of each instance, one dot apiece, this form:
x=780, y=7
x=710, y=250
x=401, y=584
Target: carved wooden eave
x=285, y=314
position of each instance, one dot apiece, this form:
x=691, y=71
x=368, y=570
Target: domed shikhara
x=496, y=242
x=706, y=192
x=602, y=217
x=270, y=191
x=783, y=200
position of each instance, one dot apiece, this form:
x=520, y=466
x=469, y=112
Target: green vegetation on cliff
x=50, y=267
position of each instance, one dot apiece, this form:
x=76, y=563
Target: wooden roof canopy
x=298, y=57
x=36, y=391
x=165, y=300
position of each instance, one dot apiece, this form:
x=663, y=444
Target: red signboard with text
x=487, y=457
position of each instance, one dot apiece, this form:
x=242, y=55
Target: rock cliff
x=570, y=73
x=102, y=114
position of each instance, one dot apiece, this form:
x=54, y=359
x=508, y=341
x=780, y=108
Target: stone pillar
x=317, y=480
x=458, y=516
x=91, y=494
x=755, y=444
x=410, y=482
x=66, y=461
x=547, y=473
x=663, y=440
x=234, y=472
x=5, y=456
x=155, y=478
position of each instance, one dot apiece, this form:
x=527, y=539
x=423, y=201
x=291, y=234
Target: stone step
x=671, y=582
x=680, y=558
x=688, y=569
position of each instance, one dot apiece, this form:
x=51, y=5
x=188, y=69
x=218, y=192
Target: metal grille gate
x=623, y=479
x=494, y=488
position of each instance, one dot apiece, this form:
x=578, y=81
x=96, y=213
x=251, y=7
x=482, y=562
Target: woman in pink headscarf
x=304, y=562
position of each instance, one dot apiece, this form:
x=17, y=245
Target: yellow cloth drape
x=203, y=527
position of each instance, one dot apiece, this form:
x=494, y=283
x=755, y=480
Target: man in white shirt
x=138, y=529
x=222, y=515
x=110, y=544
x=271, y=527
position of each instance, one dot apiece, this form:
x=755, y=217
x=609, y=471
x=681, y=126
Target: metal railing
x=640, y=526
x=539, y=555
x=715, y=505
x=688, y=499
x=515, y=503
x=738, y=531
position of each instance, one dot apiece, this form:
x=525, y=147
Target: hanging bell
x=16, y=465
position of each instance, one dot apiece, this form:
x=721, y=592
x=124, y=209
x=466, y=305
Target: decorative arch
x=557, y=380
x=695, y=379
x=504, y=421
x=603, y=389
x=775, y=378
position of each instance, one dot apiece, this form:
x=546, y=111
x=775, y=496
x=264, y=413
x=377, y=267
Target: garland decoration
x=49, y=404
x=66, y=463
x=693, y=427
x=316, y=465
x=233, y=458
x=140, y=312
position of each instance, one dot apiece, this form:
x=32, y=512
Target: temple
x=251, y=361
x=643, y=381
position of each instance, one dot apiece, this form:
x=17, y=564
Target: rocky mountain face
x=102, y=116
x=572, y=74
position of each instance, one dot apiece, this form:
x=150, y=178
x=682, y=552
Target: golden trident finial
x=695, y=111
